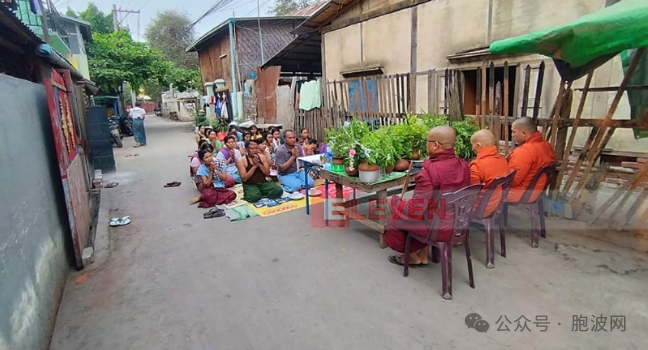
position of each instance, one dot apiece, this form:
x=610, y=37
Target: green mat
x=387, y=177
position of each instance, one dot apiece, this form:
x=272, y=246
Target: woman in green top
x=213, y=140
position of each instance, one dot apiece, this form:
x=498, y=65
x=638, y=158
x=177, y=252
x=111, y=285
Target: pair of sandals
x=214, y=213
x=398, y=260
x=173, y=184
x=115, y=222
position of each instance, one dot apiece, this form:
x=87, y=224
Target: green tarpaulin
x=590, y=41
x=617, y=28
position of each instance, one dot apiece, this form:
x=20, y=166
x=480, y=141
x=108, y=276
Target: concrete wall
x=445, y=27
x=34, y=233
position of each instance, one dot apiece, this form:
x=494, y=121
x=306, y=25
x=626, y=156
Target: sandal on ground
x=111, y=185
x=173, y=184
x=214, y=214
x=397, y=261
x=115, y=222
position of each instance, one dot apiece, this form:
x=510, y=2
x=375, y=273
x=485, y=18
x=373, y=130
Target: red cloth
x=528, y=159
x=488, y=166
x=442, y=173
x=211, y=196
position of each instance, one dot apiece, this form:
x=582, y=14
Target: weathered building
x=375, y=37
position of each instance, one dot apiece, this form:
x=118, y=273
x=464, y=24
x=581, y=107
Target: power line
x=220, y=4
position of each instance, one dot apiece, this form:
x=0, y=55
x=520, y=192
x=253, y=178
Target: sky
x=150, y=8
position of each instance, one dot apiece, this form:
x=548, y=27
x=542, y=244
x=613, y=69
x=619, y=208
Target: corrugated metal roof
x=225, y=26
x=309, y=10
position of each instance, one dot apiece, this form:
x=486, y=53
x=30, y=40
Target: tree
x=115, y=58
x=70, y=13
x=99, y=22
x=284, y=7
x=171, y=33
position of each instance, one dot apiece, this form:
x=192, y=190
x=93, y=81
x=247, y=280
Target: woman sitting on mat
x=195, y=160
x=211, y=180
x=200, y=135
x=241, y=144
x=228, y=155
x=213, y=140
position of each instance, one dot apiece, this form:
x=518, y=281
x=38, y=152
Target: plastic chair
x=494, y=220
x=536, y=207
x=462, y=201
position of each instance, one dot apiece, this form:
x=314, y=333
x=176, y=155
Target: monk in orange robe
x=534, y=153
x=488, y=166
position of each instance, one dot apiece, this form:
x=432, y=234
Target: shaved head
x=525, y=123
x=522, y=129
x=484, y=137
x=444, y=135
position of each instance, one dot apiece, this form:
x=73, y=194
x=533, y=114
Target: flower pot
x=415, y=154
x=368, y=173
x=351, y=172
x=401, y=165
x=337, y=165
x=390, y=168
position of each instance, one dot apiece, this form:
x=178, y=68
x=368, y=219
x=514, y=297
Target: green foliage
x=284, y=7
x=343, y=140
x=100, y=23
x=219, y=124
x=171, y=33
x=464, y=129
x=116, y=57
x=379, y=148
x=200, y=120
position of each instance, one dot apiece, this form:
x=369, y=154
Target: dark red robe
x=442, y=173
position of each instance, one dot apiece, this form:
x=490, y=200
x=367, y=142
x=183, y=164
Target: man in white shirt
x=138, y=114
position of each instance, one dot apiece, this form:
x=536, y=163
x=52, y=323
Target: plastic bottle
x=329, y=159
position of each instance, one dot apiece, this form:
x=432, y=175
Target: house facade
x=231, y=52
x=377, y=37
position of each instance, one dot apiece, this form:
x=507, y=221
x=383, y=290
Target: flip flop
x=396, y=261
x=215, y=214
x=173, y=184
x=125, y=221
x=111, y=185
x=114, y=222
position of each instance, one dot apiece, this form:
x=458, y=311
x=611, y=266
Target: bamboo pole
x=538, y=92
x=506, y=107
x=572, y=135
x=628, y=187
x=483, y=95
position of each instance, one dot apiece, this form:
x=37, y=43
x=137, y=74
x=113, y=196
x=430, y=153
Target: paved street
x=175, y=281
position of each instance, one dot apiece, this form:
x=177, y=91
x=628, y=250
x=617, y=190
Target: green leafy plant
x=200, y=120
x=343, y=140
x=378, y=148
x=464, y=129
x=219, y=124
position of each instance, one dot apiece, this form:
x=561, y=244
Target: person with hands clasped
x=292, y=179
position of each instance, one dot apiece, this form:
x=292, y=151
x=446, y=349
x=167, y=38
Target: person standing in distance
x=138, y=114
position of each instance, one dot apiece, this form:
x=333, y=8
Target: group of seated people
x=251, y=159
x=444, y=172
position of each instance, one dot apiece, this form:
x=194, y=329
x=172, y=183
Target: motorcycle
x=115, y=135
x=126, y=125
x=158, y=112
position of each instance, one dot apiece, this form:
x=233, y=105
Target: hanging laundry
x=310, y=96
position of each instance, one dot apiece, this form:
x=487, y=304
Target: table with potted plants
x=375, y=161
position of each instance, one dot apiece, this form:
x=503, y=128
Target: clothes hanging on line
x=310, y=95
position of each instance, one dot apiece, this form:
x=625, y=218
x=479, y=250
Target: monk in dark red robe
x=443, y=172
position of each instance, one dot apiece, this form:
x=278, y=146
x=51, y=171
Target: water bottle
x=329, y=159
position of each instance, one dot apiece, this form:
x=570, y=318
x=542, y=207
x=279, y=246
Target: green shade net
x=617, y=28
x=581, y=46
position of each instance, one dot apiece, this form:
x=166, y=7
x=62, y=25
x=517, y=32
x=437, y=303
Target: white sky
x=150, y=8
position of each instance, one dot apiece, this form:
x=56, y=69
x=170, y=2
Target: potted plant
x=352, y=163
x=379, y=153
x=464, y=130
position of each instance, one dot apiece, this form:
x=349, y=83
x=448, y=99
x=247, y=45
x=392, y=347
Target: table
x=308, y=163
x=380, y=190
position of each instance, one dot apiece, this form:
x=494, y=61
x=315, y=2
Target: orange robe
x=528, y=159
x=488, y=166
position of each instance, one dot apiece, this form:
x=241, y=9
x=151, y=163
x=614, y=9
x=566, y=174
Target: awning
x=614, y=29
x=303, y=56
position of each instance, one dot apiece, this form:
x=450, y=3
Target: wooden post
x=538, y=92
x=431, y=92
x=596, y=150
x=478, y=105
x=572, y=135
x=483, y=94
x=506, y=107
x=525, y=91
x=491, y=95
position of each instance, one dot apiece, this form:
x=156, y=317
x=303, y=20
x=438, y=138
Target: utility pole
x=260, y=36
x=117, y=21
x=114, y=13
x=46, y=37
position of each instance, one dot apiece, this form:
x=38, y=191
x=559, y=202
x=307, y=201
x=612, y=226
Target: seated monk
x=254, y=168
x=443, y=172
x=488, y=166
x=534, y=153
x=211, y=180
